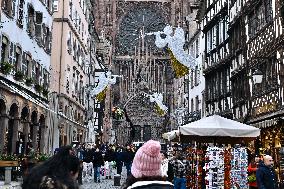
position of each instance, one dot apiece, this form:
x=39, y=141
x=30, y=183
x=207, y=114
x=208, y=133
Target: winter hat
x=147, y=160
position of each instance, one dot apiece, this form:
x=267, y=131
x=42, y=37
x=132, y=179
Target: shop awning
x=218, y=127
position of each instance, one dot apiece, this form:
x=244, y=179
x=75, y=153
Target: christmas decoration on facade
x=160, y=108
x=117, y=113
x=181, y=60
x=105, y=80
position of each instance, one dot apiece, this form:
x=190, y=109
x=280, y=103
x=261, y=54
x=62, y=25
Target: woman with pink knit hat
x=146, y=169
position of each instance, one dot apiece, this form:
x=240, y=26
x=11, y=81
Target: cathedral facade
x=145, y=69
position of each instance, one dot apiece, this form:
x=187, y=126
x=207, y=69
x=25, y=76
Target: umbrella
x=218, y=129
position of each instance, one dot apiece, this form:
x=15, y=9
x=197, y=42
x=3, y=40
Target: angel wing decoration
x=105, y=79
x=175, y=44
x=158, y=99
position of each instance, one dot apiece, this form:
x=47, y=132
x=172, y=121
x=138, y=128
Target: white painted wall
x=20, y=36
x=198, y=90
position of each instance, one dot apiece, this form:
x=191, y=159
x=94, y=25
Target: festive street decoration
x=117, y=113
x=160, y=108
x=175, y=43
x=105, y=80
x=180, y=69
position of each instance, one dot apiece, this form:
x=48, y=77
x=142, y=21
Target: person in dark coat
x=97, y=163
x=109, y=158
x=146, y=169
x=265, y=175
x=119, y=160
x=128, y=156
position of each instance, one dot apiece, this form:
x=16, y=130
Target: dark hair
x=58, y=167
x=131, y=180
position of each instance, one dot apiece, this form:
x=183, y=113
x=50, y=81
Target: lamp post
x=257, y=77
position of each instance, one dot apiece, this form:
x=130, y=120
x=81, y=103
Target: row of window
x=195, y=101
x=34, y=20
x=74, y=48
x=24, y=62
x=77, y=20
x=195, y=77
x=70, y=112
x=259, y=17
x=75, y=85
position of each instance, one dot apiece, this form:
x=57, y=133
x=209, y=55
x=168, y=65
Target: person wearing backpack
x=180, y=168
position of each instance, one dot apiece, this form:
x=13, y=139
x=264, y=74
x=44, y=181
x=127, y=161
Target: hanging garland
x=159, y=110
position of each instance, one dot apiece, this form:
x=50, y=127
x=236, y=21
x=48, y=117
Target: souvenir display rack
x=214, y=168
x=239, y=165
x=217, y=167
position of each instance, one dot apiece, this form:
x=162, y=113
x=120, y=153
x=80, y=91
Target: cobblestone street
x=105, y=183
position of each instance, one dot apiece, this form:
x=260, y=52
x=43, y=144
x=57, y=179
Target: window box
x=38, y=88
x=45, y=92
x=29, y=82
x=6, y=68
x=19, y=76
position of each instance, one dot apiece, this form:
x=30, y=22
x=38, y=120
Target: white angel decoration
x=105, y=79
x=158, y=99
x=175, y=43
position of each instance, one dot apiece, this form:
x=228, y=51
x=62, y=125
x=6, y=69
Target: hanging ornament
x=160, y=108
x=102, y=95
x=180, y=69
x=105, y=80
x=175, y=43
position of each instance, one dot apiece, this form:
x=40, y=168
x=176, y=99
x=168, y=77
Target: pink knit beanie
x=147, y=160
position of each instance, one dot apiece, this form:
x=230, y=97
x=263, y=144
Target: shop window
x=21, y=13
x=4, y=49
x=30, y=22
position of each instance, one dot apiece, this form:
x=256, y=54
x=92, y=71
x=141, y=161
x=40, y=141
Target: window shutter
x=38, y=26
x=43, y=34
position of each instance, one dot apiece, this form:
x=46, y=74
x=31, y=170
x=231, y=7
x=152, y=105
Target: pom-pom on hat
x=147, y=160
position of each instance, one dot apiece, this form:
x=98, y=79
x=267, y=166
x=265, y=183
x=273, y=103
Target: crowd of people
x=147, y=168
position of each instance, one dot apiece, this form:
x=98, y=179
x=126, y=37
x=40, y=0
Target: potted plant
x=6, y=68
x=19, y=76
x=29, y=81
x=117, y=113
x=38, y=88
x=45, y=92
x=42, y=157
x=8, y=160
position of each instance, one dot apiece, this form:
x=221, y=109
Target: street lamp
x=257, y=76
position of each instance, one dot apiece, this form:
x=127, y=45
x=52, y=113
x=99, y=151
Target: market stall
x=222, y=166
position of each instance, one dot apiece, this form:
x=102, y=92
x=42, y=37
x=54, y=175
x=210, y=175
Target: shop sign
x=266, y=108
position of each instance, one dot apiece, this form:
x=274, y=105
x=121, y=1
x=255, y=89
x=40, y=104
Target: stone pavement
x=105, y=183
x=13, y=185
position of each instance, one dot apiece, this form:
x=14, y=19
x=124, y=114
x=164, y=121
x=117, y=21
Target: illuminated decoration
x=180, y=69
x=160, y=108
x=175, y=43
x=105, y=80
x=102, y=95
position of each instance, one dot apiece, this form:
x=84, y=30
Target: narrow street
x=105, y=183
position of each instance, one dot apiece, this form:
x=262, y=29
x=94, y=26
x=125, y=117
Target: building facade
x=196, y=81
x=25, y=72
x=70, y=53
x=217, y=66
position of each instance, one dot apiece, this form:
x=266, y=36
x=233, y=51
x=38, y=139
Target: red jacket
x=252, y=171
